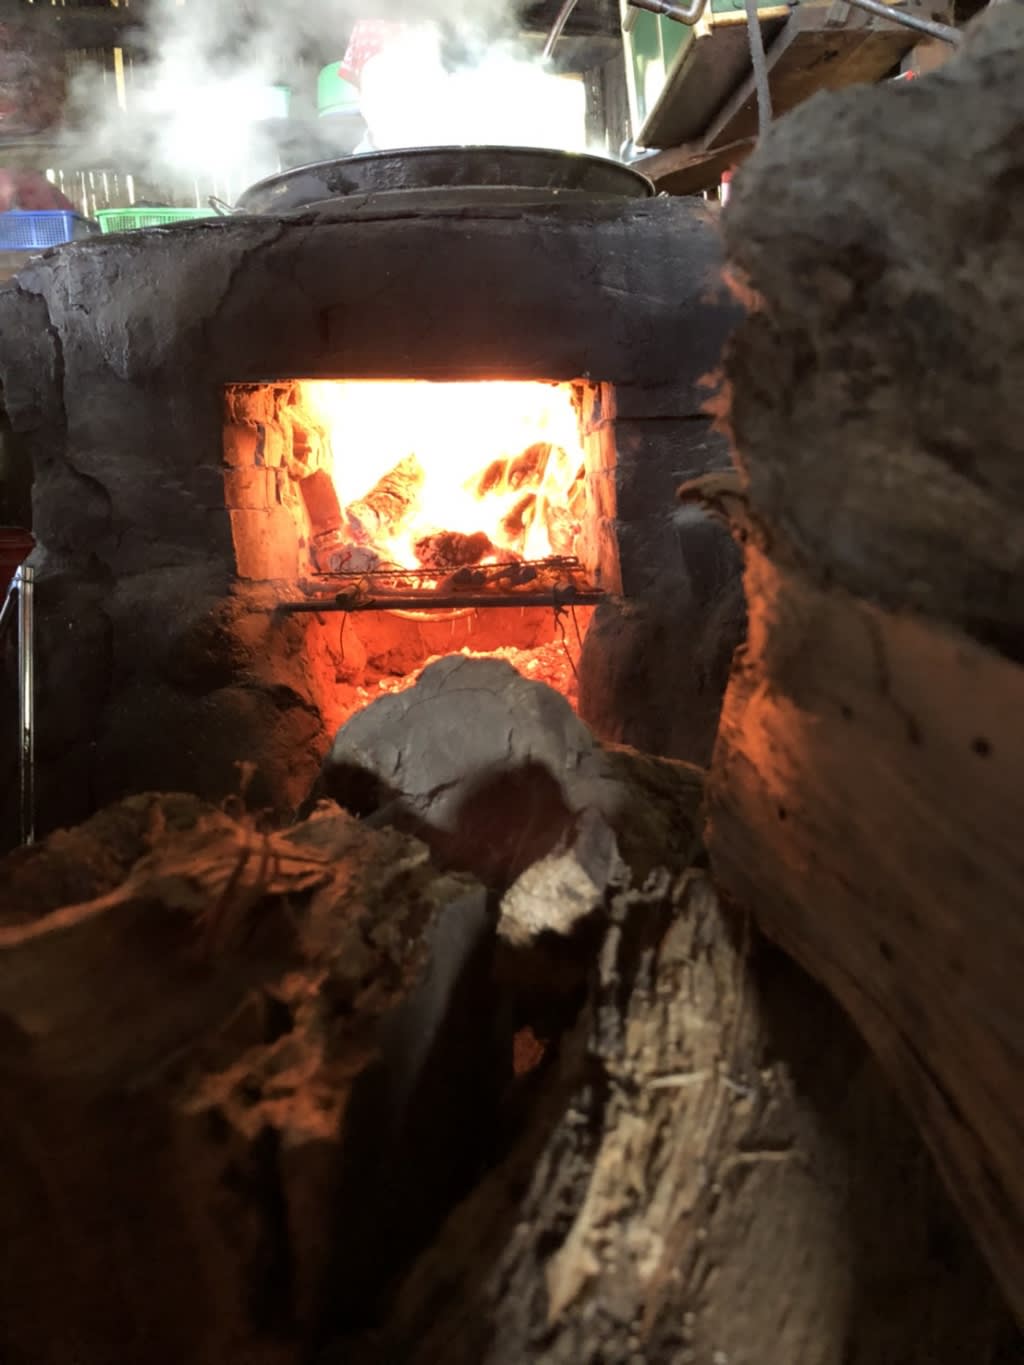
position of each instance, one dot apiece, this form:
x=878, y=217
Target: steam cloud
x=196, y=109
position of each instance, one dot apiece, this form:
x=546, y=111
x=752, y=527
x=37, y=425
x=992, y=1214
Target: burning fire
x=438, y=477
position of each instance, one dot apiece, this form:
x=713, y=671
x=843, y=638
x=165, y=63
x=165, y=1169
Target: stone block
x=252, y=405
x=483, y=762
x=266, y=543
x=275, y=446
x=241, y=444
x=321, y=502
x=250, y=488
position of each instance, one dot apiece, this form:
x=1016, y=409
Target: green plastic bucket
x=334, y=94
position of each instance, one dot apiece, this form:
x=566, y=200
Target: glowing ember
x=437, y=477
x=554, y=664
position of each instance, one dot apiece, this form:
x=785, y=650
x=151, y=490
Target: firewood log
x=451, y=549
x=707, y=1168
x=525, y=470
x=518, y=520
x=865, y=798
x=265, y=1100
x=391, y=499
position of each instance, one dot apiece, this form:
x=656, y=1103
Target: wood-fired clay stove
x=131, y=370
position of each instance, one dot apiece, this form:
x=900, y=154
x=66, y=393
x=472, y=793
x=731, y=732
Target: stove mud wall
x=159, y=667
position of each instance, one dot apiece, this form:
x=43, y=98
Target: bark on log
x=711, y=1170
x=246, y=1080
x=865, y=798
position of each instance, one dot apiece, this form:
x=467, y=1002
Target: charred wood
x=518, y=521
x=444, y=550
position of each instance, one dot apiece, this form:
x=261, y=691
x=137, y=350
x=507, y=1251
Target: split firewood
x=517, y=522
x=452, y=549
x=528, y=469
x=577, y=499
x=492, y=480
x=562, y=528
x=525, y=470
x=388, y=503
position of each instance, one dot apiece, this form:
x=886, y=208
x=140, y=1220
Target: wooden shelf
x=712, y=106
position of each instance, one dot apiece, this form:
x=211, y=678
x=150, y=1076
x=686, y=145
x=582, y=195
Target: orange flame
x=419, y=465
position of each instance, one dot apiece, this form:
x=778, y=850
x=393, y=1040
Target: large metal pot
x=439, y=169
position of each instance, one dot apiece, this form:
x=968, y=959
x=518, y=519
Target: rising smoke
x=193, y=113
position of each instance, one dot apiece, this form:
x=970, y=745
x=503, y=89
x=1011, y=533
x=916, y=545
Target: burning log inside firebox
x=452, y=549
x=375, y=517
x=526, y=470
x=518, y=521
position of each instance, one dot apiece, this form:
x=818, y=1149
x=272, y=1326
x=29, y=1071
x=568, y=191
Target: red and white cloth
x=369, y=39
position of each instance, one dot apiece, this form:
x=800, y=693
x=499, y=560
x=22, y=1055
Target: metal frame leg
x=25, y=579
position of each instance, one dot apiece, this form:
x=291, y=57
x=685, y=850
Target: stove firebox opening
x=402, y=520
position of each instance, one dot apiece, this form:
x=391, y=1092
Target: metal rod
x=573, y=598
x=759, y=63
x=25, y=579
x=680, y=14
x=943, y=32
x=692, y=12
x=561, y=19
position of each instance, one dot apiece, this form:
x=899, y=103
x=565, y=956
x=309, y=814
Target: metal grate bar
x=556, y=598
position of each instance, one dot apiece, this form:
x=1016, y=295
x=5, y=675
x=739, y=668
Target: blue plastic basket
x=21, y=230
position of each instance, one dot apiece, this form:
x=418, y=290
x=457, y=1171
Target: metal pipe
x=680, y=14
x=562, y=18
x=571, y=597
x=25, y=579
x=943, y=32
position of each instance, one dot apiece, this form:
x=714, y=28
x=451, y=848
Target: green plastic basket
x=125, y=220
